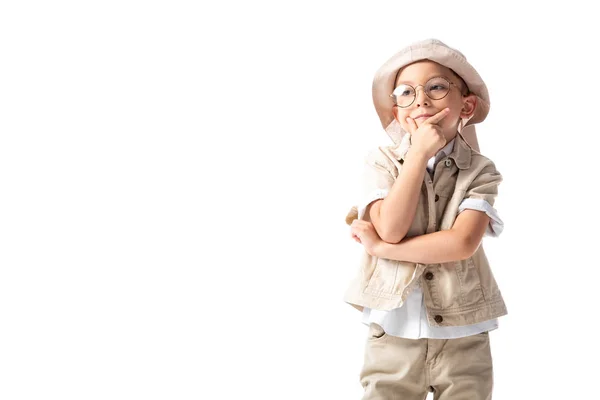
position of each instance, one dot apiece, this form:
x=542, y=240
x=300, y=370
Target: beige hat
x=434, y=50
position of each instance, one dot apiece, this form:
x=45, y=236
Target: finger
x=412, y=125
x=437, y=117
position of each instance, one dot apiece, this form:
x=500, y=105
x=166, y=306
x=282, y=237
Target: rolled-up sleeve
x=481, y=195
x=496, y=225
x=376, y=182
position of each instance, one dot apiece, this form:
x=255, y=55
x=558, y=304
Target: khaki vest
x=455, y=293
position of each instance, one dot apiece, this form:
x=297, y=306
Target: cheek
x=451, y=119
x=402, y=116
x=402, y=119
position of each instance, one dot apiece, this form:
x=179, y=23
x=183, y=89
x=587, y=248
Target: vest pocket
x=390, y=277
x=377, y=281
x=452, y=285
x=471, y=292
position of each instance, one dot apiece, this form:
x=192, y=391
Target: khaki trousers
x=407, y=369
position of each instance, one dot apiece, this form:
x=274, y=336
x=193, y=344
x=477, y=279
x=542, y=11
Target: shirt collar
x=447, y=148
x=461, y=153
x=443, y=152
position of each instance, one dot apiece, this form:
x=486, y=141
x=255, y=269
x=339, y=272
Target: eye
x=404, y=91
x=437, y=87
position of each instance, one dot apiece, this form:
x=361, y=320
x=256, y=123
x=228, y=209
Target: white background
x=174, y=178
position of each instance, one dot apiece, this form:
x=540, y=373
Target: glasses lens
x=404, y=95
x=437, y=88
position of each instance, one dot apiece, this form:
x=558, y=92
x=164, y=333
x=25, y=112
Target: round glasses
x=435, y=88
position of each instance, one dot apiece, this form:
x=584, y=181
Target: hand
x=428, y=138
x=364, y=232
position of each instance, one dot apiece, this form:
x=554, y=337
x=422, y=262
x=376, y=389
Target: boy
x=425, y=287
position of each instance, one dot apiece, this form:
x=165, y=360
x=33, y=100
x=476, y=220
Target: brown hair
x=465, y=88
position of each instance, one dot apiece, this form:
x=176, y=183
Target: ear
x=469, y=105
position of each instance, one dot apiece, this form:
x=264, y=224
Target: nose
x=421, y=98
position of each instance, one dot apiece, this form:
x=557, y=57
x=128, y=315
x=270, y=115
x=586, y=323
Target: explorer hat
x=434, y=50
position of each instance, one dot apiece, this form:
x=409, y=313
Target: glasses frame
x=450, y=84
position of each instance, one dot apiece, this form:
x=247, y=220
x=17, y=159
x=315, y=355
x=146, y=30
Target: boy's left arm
x=458, y=242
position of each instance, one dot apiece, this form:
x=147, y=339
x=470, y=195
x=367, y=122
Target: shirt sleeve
x=376, y=182
x=496, y=226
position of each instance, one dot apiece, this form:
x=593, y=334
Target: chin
x=449, y=137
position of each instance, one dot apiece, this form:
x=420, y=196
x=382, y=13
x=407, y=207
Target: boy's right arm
x=393, y=213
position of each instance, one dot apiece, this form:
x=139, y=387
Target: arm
x=457, y=243
x=460, y=241
x=393, y=216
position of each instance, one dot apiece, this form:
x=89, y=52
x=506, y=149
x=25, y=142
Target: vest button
x=437, y=197
x=438, y=318
x=448, y=163
x=429, y=276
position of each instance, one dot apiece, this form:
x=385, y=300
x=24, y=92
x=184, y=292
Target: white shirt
x=410, y=320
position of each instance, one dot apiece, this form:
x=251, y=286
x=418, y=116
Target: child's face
x=417, y=75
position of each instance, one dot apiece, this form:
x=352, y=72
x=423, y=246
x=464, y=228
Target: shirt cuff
x=496, y=226
x=375, y=195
